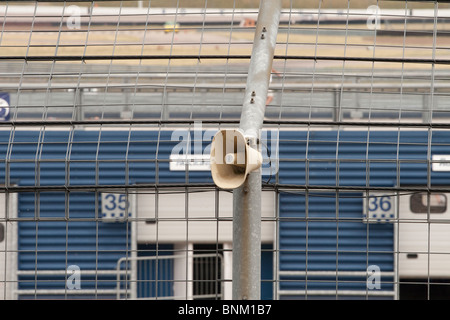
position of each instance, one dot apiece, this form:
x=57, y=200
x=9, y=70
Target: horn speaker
x=232, y=159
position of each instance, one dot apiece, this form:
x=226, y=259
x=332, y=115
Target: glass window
x=2, y=232
x=437, y=202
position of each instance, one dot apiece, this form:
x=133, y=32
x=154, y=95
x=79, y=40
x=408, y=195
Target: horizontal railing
x=66, y=291
x=163, y=288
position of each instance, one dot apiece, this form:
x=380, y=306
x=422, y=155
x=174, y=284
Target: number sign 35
x=115, y=207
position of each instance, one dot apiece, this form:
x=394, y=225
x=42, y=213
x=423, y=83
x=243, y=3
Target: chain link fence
x=108, y=111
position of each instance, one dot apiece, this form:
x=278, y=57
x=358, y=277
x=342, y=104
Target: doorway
x=208, y=271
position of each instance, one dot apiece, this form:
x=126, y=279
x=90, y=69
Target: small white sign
x=115, y=207
x=441, y=162
x=379, y=207
x=190, y=162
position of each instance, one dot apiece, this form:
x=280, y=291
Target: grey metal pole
x=247, y=198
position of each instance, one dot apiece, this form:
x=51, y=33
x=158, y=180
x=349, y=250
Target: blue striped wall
x=339, y=158
x=321, y=230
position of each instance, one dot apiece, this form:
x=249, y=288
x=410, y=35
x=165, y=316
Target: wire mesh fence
x=108, y=110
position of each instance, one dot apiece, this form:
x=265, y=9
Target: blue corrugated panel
x=155, y=279
x=56, y=245
x=88, y=158
x=320, y=233
x=324, y=238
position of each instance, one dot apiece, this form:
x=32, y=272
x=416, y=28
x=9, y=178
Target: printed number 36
x=382, y=203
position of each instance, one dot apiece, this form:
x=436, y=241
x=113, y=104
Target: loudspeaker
x=232, y=159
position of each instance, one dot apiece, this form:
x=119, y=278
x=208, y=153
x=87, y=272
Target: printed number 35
x=113, y=203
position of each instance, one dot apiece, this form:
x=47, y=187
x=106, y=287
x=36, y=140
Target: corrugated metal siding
x=56, y=245
x=155, y=278
x=43, y=160
x=323, y=237
x=91, y=158
x=323, y=231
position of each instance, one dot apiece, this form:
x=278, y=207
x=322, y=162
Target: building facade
x=111, y=214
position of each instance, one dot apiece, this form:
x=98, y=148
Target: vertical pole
x=133, y=285
x=247, y=198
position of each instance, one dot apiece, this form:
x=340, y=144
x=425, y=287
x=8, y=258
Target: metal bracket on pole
x=247, y=198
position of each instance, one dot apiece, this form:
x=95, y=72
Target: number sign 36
x=383, y=203
x=379, y=207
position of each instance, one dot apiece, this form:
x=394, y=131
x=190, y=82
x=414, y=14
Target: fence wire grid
x=108, y=110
